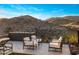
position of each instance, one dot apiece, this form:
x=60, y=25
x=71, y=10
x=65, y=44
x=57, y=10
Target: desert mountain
x=21, y=23
x=57, y=21
x=29, y=23
x=76, y=18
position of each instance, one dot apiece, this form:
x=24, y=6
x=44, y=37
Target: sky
x=40, y=11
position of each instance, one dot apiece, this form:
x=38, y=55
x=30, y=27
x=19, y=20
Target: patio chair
x=5, y=47
x=56, y=44
x=27, y=43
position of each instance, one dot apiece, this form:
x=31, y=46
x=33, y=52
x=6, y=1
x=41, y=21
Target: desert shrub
x=71, y=37
x=66, y=39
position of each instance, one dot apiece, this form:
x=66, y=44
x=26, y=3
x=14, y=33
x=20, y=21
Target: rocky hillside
x=76, y=18
x=21, y=23
x=29, y=23
x=58, y=21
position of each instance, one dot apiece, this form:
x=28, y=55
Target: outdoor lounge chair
x=56, y=44
x=31, y=43
x=5, y=47
x=27, y=43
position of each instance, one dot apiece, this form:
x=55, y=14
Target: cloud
x=41, y=16
x=12, y=13
x=58, y=11
x=17, y=7
x=6, y=13
x=53, y=13
x=24, y=8
x=35, y=9
x=17, y=10
x=2, y=11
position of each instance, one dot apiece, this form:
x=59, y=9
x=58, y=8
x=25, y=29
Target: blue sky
x=41, y=11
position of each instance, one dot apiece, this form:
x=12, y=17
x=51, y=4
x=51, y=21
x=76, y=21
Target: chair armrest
x=9, y=45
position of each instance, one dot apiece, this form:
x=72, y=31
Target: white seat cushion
x=55, y=41
x=28, y=42
x=56, y=45
x=27, y=38
x=33, y=36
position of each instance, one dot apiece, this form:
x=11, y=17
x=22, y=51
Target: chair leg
x=23, y=46
x=49, y=48
x=3, y=50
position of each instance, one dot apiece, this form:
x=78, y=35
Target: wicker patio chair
x=5, y=47
x=27, y=43
x=56, y=44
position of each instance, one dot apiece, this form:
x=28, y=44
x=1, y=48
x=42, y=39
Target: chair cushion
x=56, y=45
x=55, y=41
x=33, y=36
x=27, y=38
x=28, y=42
